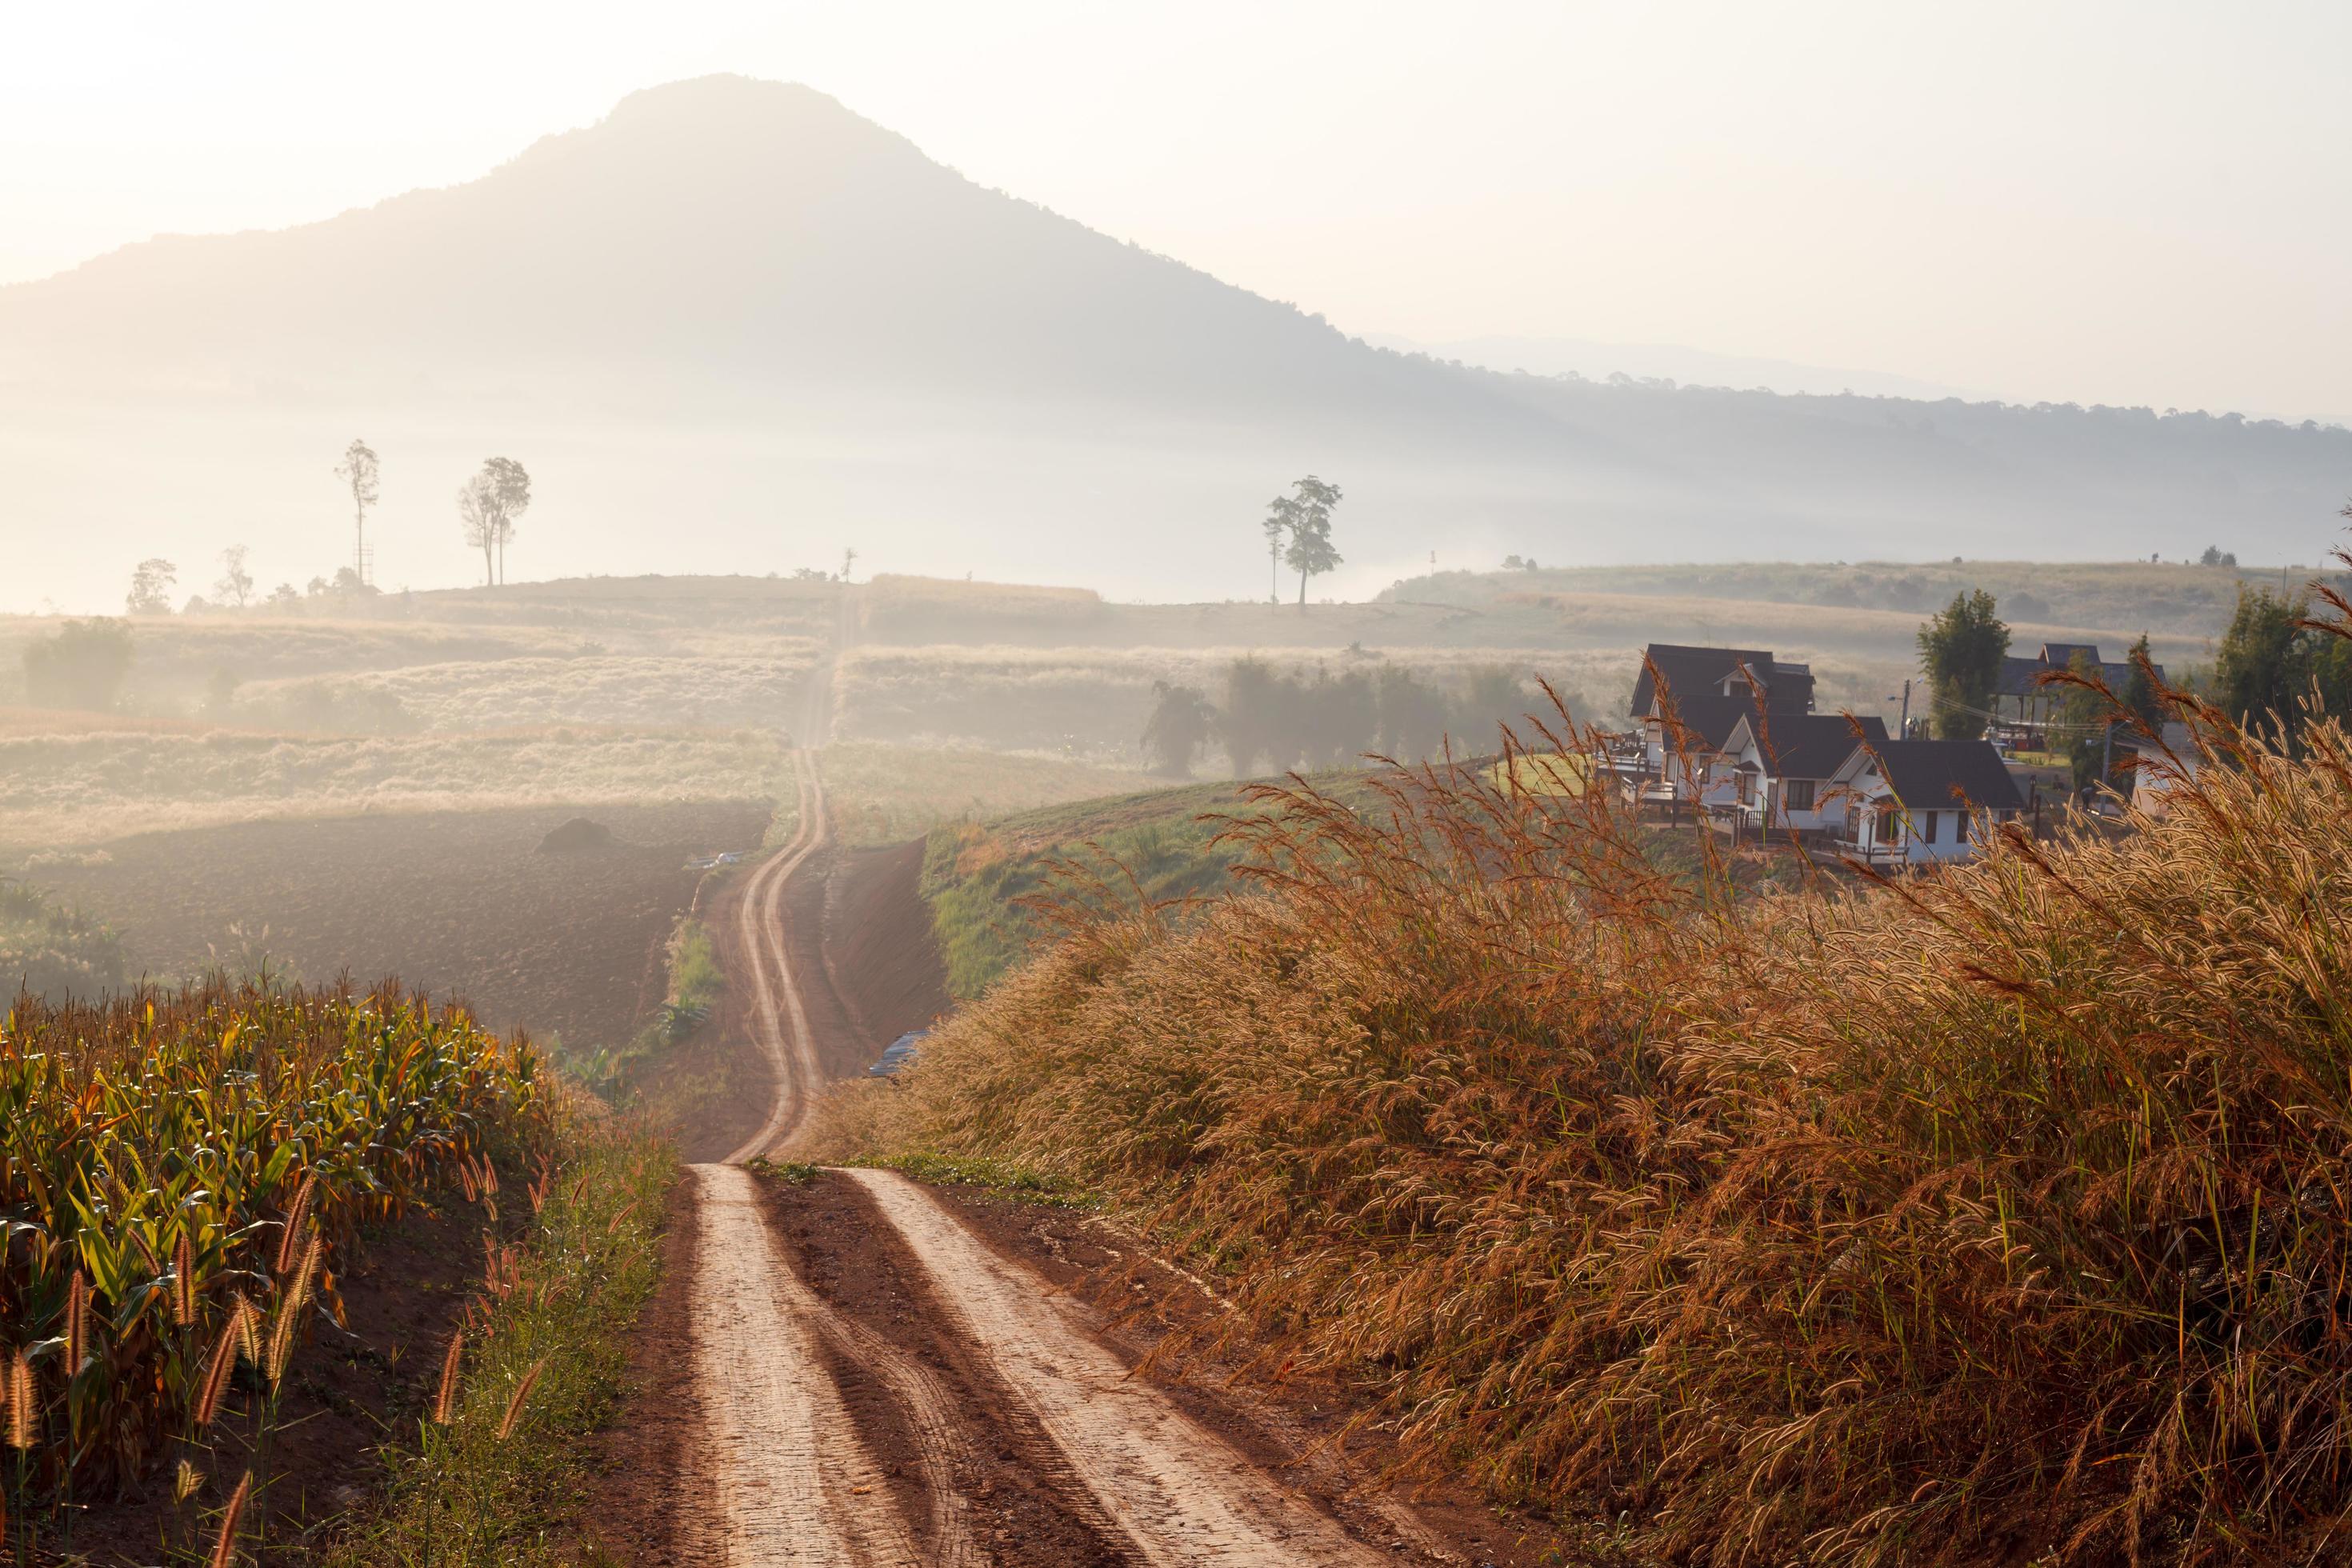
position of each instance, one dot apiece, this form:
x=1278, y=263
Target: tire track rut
x=1180, y=1493
x=795, y=1481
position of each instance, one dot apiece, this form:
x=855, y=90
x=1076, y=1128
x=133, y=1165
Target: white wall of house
x=1920, y=838
x=1697, y=773
x=1922, y=835
x=1782, y=804
x=1802, y=806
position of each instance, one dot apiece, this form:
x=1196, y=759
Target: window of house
x=1928, y=826
x=1797, y=794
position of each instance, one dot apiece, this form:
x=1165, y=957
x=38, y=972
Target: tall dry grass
x=2000, y=1214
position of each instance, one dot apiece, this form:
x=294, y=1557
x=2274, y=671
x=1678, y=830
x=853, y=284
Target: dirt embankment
x=881, y=956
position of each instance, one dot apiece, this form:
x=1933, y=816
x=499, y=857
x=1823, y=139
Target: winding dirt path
x=886, y=1387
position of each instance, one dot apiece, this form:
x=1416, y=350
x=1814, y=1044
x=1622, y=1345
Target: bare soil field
x=460, y=903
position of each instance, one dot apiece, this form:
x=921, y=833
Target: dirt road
x=883, y=1374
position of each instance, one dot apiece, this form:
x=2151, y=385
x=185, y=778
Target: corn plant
x=169, y=1161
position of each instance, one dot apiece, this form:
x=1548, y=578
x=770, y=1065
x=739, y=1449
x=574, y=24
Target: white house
x=1922, y=803
x=1780, y=765
x=2159, y=769
x=1687, y=700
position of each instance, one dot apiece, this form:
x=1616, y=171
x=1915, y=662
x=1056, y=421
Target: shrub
x=82, y=664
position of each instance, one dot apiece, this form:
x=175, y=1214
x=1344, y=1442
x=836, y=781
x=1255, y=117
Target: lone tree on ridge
x=1304, y=516
x=358, y=469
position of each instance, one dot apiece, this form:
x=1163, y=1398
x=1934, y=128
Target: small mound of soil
x=577, y=834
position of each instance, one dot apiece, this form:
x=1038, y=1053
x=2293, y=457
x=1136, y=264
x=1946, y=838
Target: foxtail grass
x=1996, y=1213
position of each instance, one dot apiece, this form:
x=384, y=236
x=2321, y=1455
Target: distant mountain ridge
x=739, y=300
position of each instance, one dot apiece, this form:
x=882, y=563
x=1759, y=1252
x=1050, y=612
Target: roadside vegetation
x=496, y=1475
x=982, y=881
x=695, y=988
x=1998, y=1213
x=181, y=1175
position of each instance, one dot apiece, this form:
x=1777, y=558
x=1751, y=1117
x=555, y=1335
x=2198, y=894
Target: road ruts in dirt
x=1179, y=1492
x=781, y=1022
x=793, y=1483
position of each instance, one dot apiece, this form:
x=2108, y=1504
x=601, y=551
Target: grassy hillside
x=2161, y=597
x=1995, y=1217
x=883, y=794
x=976, y=876
x=79, y=784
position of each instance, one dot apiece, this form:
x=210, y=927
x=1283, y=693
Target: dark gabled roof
x=2018, y=676
x=2022, y=676
x=1789, y=688
x=1932, y=775
x=1812, y=745
x=1709, y=718
x=1694, y=671
x=2059, y=655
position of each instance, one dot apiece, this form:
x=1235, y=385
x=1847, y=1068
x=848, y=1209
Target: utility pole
x=2107, y=755
x=1903, y=729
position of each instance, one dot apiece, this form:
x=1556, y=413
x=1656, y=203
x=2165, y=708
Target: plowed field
x=461, y=903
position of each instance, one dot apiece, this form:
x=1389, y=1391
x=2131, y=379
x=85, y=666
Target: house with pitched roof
x=1688, y=702
x=1781, y=765
x=1923, y=803
x=2022, y=707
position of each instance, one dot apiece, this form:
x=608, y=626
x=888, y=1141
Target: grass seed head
x=522, y=1391
x=225, y=1546
x=445, y=1397
x=184, y=1282
x=289, y=1234
x=23, y=1402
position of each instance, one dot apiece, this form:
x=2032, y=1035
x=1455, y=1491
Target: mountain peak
x=726, y=93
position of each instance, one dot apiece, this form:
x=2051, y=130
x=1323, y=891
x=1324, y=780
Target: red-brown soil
x=858, y=935
x=350, y=1393
x=880, y=955
x=647, y=1461
x=1311, y=1432
x=459, y=903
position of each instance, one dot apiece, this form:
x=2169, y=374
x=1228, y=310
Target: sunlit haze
x=2129, y=203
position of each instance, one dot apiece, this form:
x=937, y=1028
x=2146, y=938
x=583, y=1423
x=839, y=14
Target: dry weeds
x=1996, y=1215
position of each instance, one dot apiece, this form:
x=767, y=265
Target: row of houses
x=1730, y=734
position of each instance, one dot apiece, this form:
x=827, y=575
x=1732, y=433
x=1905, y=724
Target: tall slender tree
x=358, y=469
x=1281, y=517
x=478, y=515
x=1310, y=552
x=513, y=486
x=236, y=583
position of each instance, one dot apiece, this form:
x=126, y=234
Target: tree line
x=491, y=505
x=1272, y=721
x=2274, y=671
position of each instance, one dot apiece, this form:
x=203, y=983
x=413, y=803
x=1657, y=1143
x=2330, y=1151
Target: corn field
x=178, y=1176
x=2000, y=1215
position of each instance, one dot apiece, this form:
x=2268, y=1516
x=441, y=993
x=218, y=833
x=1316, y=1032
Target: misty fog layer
x=735, y=326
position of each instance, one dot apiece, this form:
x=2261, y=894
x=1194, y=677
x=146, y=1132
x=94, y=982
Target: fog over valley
x=735, y=326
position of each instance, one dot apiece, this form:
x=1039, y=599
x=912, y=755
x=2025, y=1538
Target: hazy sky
x=2144, y=203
